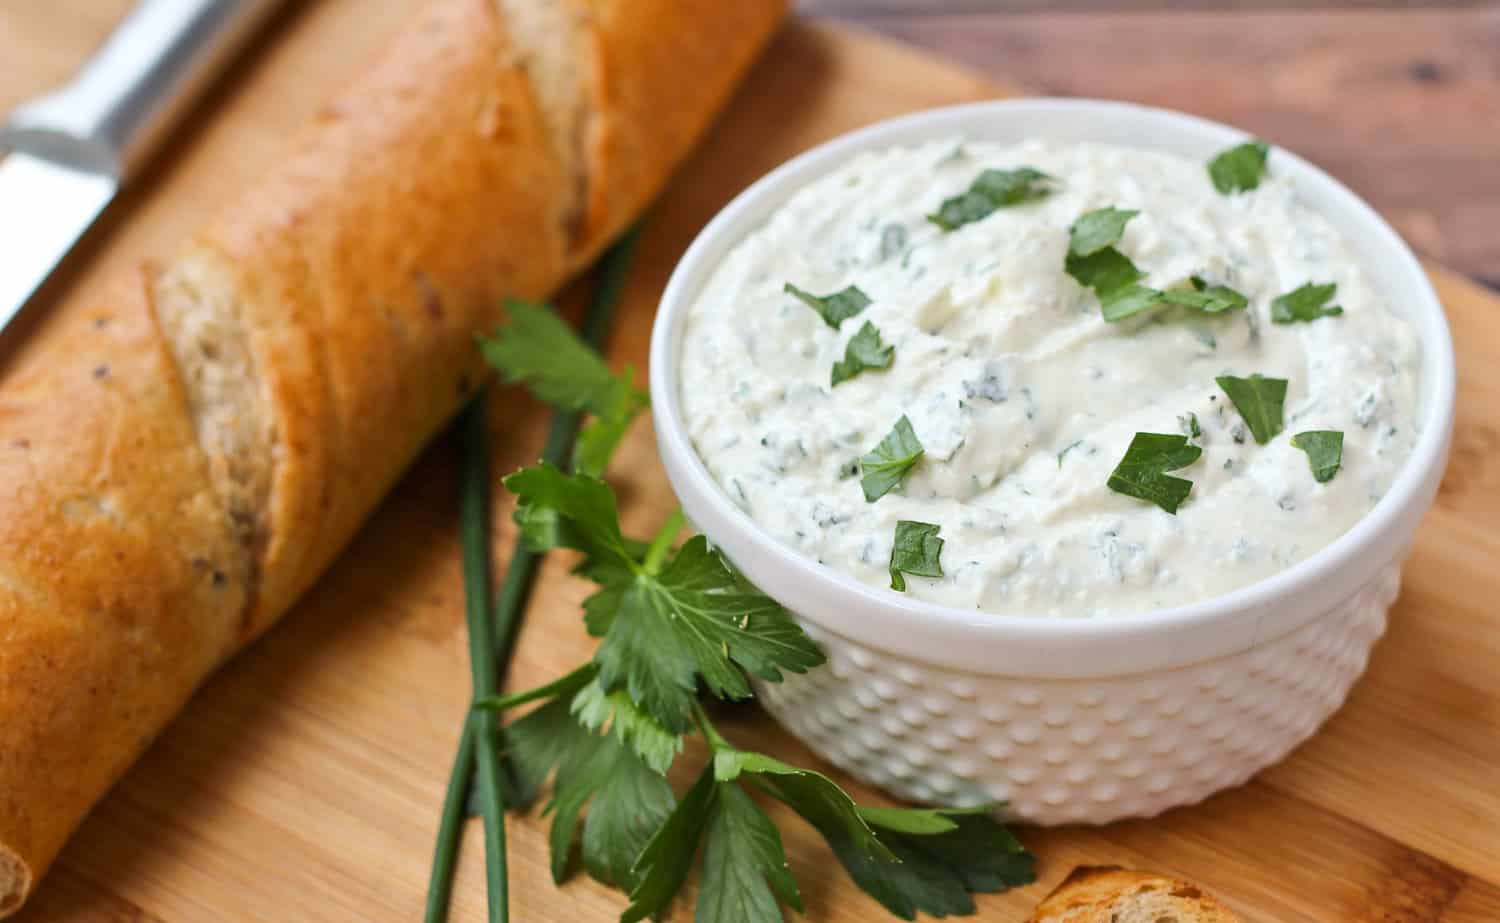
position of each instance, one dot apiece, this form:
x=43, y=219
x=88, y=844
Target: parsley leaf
x=744, y=864
x=890, y=461
x=539, y=349
x=835, y=308
x=667, y=858
x=626, y=799
x=1239, y=168
x=937, y=873
x=1189, y=424
x=1095, y=263
x=1307, y=302
x=910, y=860
x=557, y=510
x=1104, y=271
x=1325, y=452
x=992, y=190
x=915, y=551
x=598, y=710
x=1259, y=400
x=1131, y=299
x=1142, y=472
x=1098, y=229
x=864, y=351
x=1210, y=299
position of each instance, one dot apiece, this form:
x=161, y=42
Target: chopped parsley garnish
x=835, y=308
x=993, y=189
x=1305, y=303
x=1098, y=229
x=1142, y=473
x=1210, y=299
x=915, y=551
x=1190, y=427
x=1240, y=168
x=539, y=349
x=1325, y=452
x=888, y=463
x=1096, y=264
x=1260, y=400
x=864, y=351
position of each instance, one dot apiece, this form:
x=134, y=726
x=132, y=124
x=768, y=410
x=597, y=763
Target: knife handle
x=110, y=116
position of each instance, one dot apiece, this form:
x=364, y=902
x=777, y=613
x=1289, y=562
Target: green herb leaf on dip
x=835, y=308
x=1210, y=299
x=1305, y=303
x=993, y=189
x=1123, y=302
x=1325, y=452
x=1240, y=168
x=888, y=463
x=864, y=351
x=1142, y=473
x=915, y=551
x=1260, y=400
x=1098, y=229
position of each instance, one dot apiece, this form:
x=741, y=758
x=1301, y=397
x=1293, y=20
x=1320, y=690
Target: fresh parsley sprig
x=540, y=350
x=606, y=733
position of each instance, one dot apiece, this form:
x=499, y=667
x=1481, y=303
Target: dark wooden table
x=1399, y=100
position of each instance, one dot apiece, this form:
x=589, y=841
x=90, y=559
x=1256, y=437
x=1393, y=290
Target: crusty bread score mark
x=201, y=302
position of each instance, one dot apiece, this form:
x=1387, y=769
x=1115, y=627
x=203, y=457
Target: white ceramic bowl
x=1072, y=720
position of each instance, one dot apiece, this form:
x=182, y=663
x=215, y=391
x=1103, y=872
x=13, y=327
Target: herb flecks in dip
x=1024, y=399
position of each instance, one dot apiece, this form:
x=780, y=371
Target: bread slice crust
x=1111, y=894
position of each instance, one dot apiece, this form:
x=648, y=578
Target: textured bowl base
x=1079, y=751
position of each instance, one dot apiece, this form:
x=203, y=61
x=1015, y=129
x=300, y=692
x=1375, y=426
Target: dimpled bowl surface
x=1071, y=720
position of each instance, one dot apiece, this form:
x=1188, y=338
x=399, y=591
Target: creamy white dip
x=1025, y=398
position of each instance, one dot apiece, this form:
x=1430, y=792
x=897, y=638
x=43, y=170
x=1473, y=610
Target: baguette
x=1110, y=894
x=178, y=467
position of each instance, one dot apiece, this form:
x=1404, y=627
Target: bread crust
x=265, y=389
x=120, y=582
x=1104, y=893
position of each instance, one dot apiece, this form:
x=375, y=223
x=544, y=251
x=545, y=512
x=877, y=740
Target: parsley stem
x=546, y=690
x=509, y=607
x=711, y=734
x=661, y=542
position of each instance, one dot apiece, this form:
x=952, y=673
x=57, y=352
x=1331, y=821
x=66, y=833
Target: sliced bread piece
x=1110, y=894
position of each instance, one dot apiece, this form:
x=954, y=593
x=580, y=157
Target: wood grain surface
x=303, y=783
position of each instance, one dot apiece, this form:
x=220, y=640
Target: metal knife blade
x=71, y=150
x=44, y=208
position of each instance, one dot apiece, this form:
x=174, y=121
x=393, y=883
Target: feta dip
x=1024, y=398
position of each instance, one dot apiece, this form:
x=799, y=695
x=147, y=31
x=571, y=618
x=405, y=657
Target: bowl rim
x=987, y=642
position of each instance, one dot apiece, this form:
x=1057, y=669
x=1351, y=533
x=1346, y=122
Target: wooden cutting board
x=304, y=781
